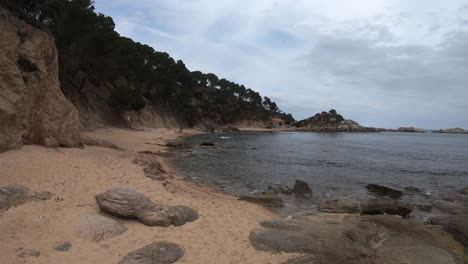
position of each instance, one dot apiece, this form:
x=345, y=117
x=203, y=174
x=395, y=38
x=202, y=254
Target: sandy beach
x=75, y=176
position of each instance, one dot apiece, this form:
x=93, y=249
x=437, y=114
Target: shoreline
x=75, y=176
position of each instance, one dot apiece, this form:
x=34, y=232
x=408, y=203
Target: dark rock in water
x=339, y=206
x=98, y=227
x=280, y=188
x=207, y=144
x=353, y=240
x=412, y=189
x=14, y=195
x=385, y=206
x=263, y=199
x=127, y=203
x=63, y=246
x=28, y=252
x=464, y=191
x=155, y=253
x=384, y=190
x=301, y=188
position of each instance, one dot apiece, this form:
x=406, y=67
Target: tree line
x=87, y=42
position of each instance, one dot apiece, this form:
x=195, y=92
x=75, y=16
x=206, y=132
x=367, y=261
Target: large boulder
x=97, y=227
x=384, y=190
x=302, y=189
x=14, y=195
x=33, y=109
x=156, y=253
x=127, y=203
x=369, y=239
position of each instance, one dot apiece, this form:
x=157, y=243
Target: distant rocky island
x=331, y=121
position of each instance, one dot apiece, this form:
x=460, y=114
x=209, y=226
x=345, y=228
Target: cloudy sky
x=384, y=63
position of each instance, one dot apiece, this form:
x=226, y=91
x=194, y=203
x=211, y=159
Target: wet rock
x=451, y=207
x=98, y=227
x=279, y=188
x=455, y=225
x=464, y=191
x=155, y=253
x=14, y=195
x=339, y=206
x=207, y=144
x=263, y=199
x=385, y=206
x=412, y=189
x=127, y=203
x=384, y=190
x=301, y=188
x=28, y=252
x=352, y=240
x=63, y=246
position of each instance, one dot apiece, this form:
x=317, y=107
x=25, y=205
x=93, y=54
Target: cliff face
x=33, y=109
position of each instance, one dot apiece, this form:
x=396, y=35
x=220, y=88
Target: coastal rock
x=370, y=239
x=156, y=253
x=464, y=191
x=14, y=195
x=127, y=203
x=63, y=246
x=207, y=144
x=280, y=188
x=28, y=252
x=455, y=225
x=301, y=188
x=331, y=121
x=384, y=190
x=98, y=227
x=385, y=206
x=451, y=207
x=263, y=199
x=348, y=206
x=410, y=129
x=412, y=189
x=33, y=109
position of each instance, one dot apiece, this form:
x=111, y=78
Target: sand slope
x=75, y=176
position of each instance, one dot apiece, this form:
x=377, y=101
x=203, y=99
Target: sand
x=75, y=176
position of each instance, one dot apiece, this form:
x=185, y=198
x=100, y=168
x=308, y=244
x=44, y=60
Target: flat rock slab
x=156, y=253
x=14, y=195
x=127, y=203
x=370, y=239
x=384, y=191
x=269, y=200
x=371, y=207
x=98, y=227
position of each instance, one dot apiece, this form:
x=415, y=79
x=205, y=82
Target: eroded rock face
x=127, y=203
x=156, y=253
x=370, y=239
x=14, y=195
x=33, y=109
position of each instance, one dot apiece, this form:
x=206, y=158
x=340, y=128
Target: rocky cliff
x=33, y=109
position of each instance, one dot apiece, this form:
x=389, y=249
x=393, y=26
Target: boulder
x=63, y=246
x=127, y=203
x=33, y=109
x=464, y=191
x=384, y=190
x=352, y=240
x=156, y=253
x=270, y=200
x=14, y=195
x=98, y=227
x=301, y=188
x=28, y=252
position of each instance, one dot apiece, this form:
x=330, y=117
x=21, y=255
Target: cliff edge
x=33, y=109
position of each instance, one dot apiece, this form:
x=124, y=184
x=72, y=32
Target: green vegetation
x=88, y=43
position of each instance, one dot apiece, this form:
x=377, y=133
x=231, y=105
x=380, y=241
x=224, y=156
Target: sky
x=382, y=63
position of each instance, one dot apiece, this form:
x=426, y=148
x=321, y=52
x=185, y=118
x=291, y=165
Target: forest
x=87, y=41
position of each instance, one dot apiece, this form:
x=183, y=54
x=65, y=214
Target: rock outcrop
x=156, y=253
x=127, y=203
x=370, y=207
x=14, y=195
x=302, y=189
x=97, y=227
x=331, y=122
x=33, y=109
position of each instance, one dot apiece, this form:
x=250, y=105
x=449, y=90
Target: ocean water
x=334, y=164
